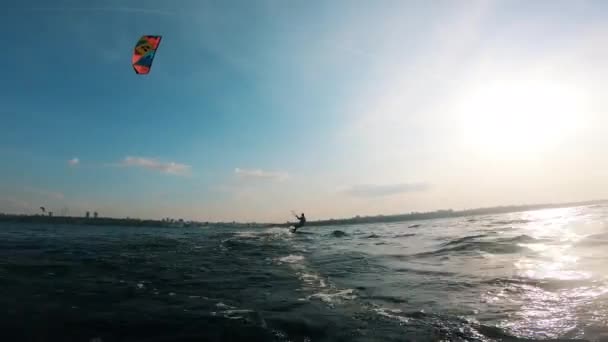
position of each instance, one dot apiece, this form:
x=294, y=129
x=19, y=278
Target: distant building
x=95, y=214
x=88, y=214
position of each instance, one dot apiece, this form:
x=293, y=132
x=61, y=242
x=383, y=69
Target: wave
x=246, y=315
x=38, y=267
x=516, y=239
x=338, y=233
x=160, y=243
x=520, y=239
x=232, y=243
x=312, y=279
x=450, y=328
x=594, y=240
x=247, y=234
x=473, y=247
x=505, y=222
x=552, y=284
x=392, y=314
x=273, y=232
x=386, y=299
x=376, y=236
x=291, y=259
x=335, y=296
x=464, y=239
x=405, y=235
x=252, y=238
x=424, y=272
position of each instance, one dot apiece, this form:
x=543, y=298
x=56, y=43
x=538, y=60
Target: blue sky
x=254, y=108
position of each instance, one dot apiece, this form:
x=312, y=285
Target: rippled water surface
x=532, y=275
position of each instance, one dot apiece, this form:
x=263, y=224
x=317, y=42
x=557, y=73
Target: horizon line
x=515, y=207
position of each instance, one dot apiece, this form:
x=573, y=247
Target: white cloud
x=74, y=161
x=154, y=164
x=261, y=174
x=380, y=190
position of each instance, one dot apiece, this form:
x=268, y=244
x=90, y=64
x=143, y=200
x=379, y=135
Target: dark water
x=514, y=277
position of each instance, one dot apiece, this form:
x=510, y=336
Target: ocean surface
x=538, y=275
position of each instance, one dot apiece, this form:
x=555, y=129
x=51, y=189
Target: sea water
x=529, y=275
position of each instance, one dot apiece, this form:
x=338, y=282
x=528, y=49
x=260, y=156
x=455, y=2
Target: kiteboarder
x=302, y=222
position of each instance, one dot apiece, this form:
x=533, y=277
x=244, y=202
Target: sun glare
x=519, y=119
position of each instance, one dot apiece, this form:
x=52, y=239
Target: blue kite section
x=146, y=60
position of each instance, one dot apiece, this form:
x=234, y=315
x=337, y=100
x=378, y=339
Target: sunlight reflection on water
x=557, y=287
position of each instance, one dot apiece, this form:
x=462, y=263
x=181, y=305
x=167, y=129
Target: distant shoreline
x=414, y=216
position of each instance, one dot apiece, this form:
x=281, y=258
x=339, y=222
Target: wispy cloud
x=380, y=190
x=261, y=174
x=104, y=9
x=74, y=161
x=45, y=193
x=155, y=164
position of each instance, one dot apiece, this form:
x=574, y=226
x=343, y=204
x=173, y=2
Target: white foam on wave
x=224, y=306
x=222, y=245
x=334, y=296
x=268, y=233
x=291, y=259
x=315, y=283
x=312, y=279
x=237, y=314
x=247, y=234
x=391, y=313
x=232, y=312
x=278, y=231
x=309, y=278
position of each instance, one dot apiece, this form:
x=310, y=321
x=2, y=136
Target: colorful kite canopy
x=143, y=54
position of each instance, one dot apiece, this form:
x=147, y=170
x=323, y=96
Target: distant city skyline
x=336, y=109
x=357, y=219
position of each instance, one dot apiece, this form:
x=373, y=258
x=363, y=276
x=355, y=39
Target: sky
x=335, y=108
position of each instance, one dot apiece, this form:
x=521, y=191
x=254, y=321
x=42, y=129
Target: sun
x=519, y=119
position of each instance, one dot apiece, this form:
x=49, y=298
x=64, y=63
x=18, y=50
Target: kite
x=143, y=54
